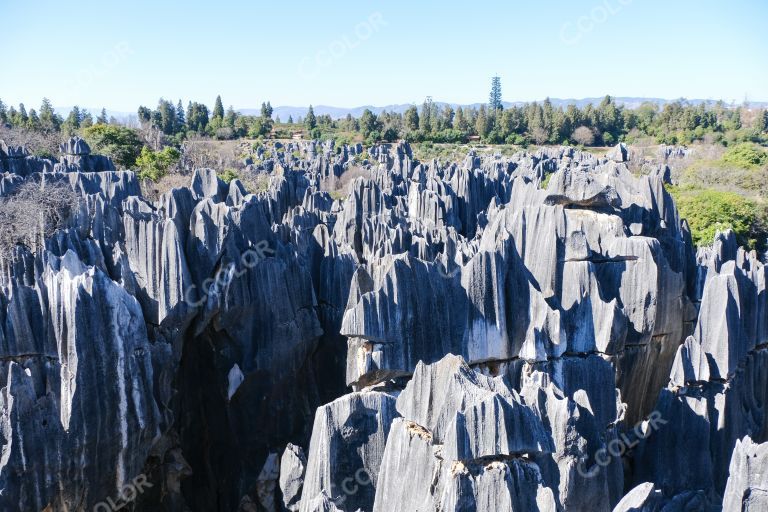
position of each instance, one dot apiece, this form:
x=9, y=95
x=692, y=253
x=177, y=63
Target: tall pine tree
x=49, y=121
x=74, y=119
x=102, y=117
x=230, y=118
x=427, y=118
x=23, y=117
x=181, y=124
x=494, y=100
x=218, y=108
x=34, y=122
x=266, y=110
x=311, y=120
x=481, y=123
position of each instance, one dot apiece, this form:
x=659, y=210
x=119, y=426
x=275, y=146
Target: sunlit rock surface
x=500, y=333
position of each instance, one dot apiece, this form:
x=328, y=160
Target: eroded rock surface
x=747, y=486
x=438, y=336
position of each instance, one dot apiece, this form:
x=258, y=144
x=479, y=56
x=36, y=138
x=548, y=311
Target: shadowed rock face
x=508, y=347
x=718, y=384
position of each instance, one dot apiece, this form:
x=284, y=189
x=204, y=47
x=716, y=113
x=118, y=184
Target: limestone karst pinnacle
x=446, y=336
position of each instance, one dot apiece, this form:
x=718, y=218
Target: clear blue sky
x=351, y=53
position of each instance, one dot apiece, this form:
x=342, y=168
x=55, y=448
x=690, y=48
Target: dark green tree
x=181, y=122
x=609, y=117
x=122, y=144
x=368, y=123
x=537, y=126
x=218, y=109
x=157, y=119
x=494, y=99
x=73, y=120
x=23, y=117
x=34, y=122
x=482, y=126
x=49, y=121
x=266, y=110
x=428, y=115
x=102, y=117
x=411, y=118
x=310, y=121
x=230, y=117
x=460, y=121
x=164, y=117
x=390, y=134
x=446, y=118
x=86, y=119
x=13, y=116
x=197, y=117
x=144, y=114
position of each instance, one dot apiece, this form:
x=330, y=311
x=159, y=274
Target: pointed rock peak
x=206, y=184
x=75, y=146
x=619, y=153
x=71, y=264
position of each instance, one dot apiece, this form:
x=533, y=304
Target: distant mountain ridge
x=339, y=112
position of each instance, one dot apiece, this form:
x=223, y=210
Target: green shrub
x=745, y=156
x=229, y=175
x=517, y=140
x=44, y=153
x=153, y=165
x=341, y=140
x=121, y=144
x=373, y=137
x=450, y=136
x=709, y=211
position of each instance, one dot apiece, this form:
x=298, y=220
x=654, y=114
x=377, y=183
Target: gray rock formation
x=16, y=161
x=717, y=388
x=72, y=361
x=76, y=157
x=293, y=465
x=442, y=336
x=644, y=497
x=747, y=487
x=619, y=153
x=345, y=452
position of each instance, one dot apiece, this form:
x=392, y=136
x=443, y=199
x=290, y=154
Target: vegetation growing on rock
x=710, y=211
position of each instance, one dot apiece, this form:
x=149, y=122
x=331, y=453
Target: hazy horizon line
x=452, y=103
